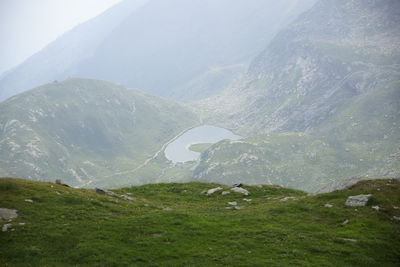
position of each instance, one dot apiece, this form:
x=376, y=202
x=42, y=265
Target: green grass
x=77, y=227
x=200, y=147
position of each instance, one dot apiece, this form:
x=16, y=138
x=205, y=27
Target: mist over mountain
x=162, y=48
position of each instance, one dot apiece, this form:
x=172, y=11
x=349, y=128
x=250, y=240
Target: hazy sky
x=26, y=26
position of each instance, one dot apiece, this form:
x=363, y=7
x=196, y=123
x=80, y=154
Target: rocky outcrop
x=358, y=201
x=213, y=190
x=8, y=214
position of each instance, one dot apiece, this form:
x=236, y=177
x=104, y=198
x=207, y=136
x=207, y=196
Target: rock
x=100, y=191
x=237, y=185
x=396, y=218
x=358, y=201
x=238, y=207
x=377, y=208
x=247, y=199
x=105, y=192
x=29, y=200
x=328, y=205
x=225, y=193
x=396, y=208
x=287, y=198
x=22, y=224
x=5, y=227
x=167, y=209
x=233, y=203
x=156, y=234
x=350, y=240
x=345, y=222
x=213, y=190
x=59, y=182
x=126, y=197
x=8, y=214
x=240, y=190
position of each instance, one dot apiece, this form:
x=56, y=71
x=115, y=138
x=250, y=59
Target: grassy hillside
x=86, y=132
x=295, y=160
x=178, y=225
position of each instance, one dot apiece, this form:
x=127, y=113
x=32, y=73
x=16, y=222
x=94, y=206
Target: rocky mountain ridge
x=331, y=77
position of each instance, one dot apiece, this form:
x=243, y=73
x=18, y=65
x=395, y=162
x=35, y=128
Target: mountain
x=178, y=225
x=331, y=78
x=85, y=132
x=161, y=47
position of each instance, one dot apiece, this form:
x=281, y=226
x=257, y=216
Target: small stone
x=396, y=218
x=156, y=234
x=213, y=190
x=8, y=214
x=396, y=208
x=247, y=199
x=225, y=193
x=287, y=198
x=358, y=201
x=22, y=224
x=100, y=191
x=237, y=185
x=167, y=209
x=328, y=205
x=238, y=207
x=350, y=240
x=58, y=193
x=233, y=203
x=103, y=191
x=127, y=198
x=29, y=200
x=345, y=222
x=240, y=190
x=5, y=227
x=377, y=208
x=59, y=182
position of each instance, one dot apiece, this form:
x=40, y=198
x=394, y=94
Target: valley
x=206, y=133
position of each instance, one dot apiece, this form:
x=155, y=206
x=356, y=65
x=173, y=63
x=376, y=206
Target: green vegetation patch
x=179, y=225
x=200, y=147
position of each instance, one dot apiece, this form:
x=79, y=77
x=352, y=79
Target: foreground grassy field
x=178, y=225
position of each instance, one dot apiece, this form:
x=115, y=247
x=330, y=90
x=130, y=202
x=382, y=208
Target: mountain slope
x=85, y=131
x=333, y=75
x=178, y=225
x=334, y=52
x=159, y=47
